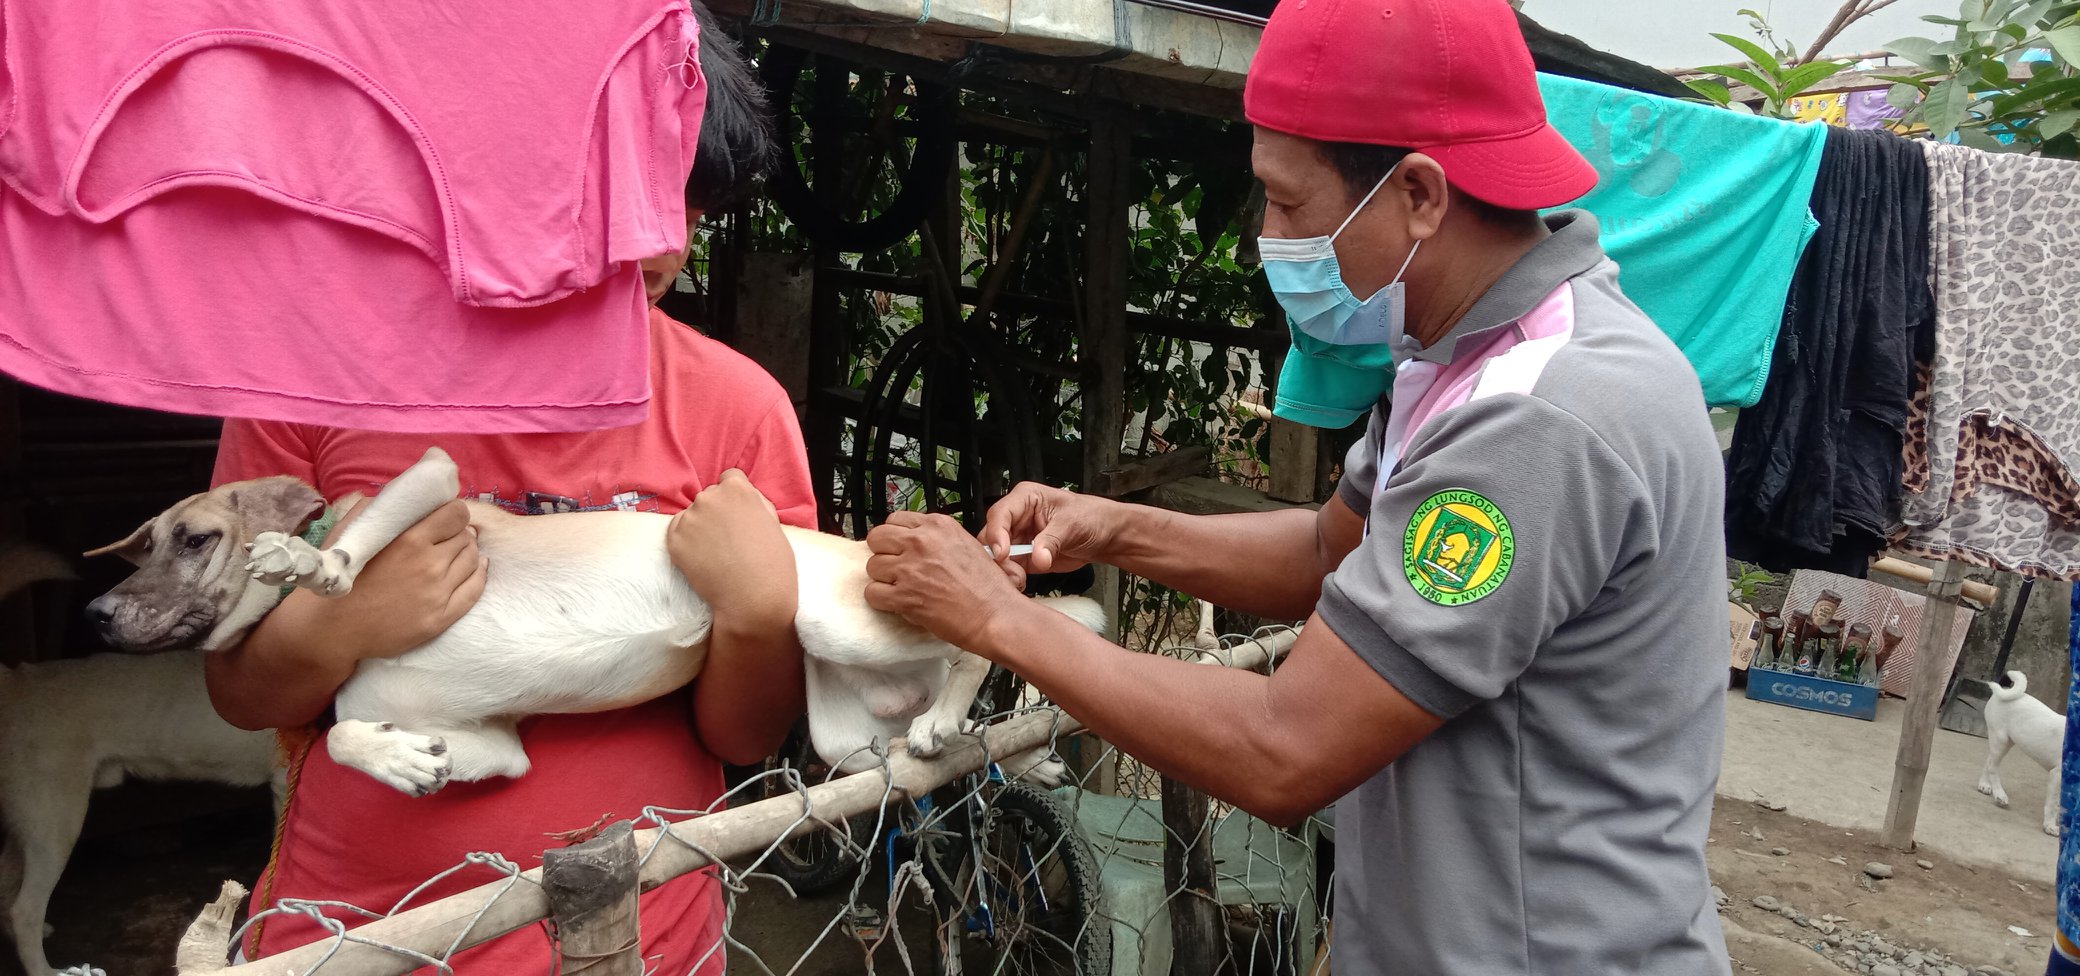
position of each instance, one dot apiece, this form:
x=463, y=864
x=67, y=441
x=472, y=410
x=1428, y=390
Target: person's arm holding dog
x=286, y=671
x=729, y=547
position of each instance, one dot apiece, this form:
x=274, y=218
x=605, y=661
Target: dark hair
x=736, y=142
x=1363, y=165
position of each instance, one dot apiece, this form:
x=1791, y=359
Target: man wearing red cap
x=1511, y=683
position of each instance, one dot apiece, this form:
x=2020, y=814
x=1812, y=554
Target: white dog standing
x=2013, y=718
x=581, y=612
x=68, y=728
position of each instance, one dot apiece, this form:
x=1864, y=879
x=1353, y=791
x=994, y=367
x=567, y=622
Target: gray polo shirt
x=1543, y=569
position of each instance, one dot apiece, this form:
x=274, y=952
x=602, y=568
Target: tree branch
x=1850, y=12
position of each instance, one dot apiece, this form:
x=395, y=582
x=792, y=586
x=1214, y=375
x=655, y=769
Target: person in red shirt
x=721, y=449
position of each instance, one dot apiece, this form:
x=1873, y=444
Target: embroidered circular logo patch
x=1458, y=548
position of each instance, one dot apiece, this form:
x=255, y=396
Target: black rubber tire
x=1077, y=936
x=815, y=862
x=923, y=182
x=942, y=357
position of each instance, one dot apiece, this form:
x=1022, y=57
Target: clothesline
x=1892, y=318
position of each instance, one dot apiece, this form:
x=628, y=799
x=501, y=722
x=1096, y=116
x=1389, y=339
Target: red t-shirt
x=349, y=838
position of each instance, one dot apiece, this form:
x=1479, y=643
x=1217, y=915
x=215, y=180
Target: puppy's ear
x=132, y=547
x=278, y=504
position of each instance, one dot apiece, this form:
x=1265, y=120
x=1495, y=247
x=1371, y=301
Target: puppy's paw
x=280, y=560
x=1986, y=787
x=401, y=760
x=930, y=734
x=1046, y=774
x=2051, y=828
x=2000, y=798
x=1036, y=766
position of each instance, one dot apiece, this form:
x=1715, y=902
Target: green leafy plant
x=1743, y=588
x=1774, y=74
x=1968, y=83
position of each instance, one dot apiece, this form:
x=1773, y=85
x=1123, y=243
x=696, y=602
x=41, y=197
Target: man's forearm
x=1165, y=713
x=1263, y=563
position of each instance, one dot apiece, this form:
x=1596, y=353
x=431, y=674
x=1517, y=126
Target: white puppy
x=2013, y=718
x=70, y=727
x=581, y=612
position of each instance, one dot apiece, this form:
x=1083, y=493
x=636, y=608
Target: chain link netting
x=1062, y=871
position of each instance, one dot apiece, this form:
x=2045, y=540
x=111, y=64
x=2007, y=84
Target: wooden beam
x=1924, y=699
x=1206, y=496
x=1123, y=479
x=1212, y=334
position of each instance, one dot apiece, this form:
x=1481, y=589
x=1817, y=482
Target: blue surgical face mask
x=1344, y=350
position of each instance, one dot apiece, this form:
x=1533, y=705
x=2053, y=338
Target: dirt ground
x=1954, y=907
x=125, y=898
x=1839, y=770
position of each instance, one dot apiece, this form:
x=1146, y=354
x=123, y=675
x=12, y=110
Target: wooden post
x=1917, y=733
x=1102, y=359
x=1294, y=449
x=830, y=337
x=1102, y=345
x=592, y=890
x=18, y=643
x=1198, y=942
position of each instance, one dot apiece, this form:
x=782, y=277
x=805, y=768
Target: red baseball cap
x=1451, y=79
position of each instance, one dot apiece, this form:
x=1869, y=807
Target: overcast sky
x=1678, y=33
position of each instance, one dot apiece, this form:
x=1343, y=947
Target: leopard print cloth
x=1993, y=441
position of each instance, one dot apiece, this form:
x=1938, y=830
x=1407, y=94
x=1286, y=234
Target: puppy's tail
x=1083, y=610
x=22, y=563
x=2018, y=686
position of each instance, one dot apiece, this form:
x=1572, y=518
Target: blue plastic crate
x=1814, y=693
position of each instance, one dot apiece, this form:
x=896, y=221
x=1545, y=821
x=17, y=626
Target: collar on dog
x=315, y=535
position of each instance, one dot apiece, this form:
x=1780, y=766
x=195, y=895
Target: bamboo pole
x=1983, y=594
x=464, y=921
x=1252, y=654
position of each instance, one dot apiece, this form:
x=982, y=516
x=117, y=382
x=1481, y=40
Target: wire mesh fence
x=976, y=861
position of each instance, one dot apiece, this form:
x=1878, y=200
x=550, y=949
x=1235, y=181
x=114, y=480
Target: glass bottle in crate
x=1796, y=630
x=1855, y=649
x=1772, y=643
x=1827, y=647
x=1887, y=643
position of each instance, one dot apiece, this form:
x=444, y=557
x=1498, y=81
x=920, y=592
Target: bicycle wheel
x=1025, y=890
x=814, y=862
x=899, y=145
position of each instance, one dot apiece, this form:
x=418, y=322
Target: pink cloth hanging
x=525, y=146
x=397, y=217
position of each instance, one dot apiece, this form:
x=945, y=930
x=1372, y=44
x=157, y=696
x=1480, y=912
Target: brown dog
x=192, y=588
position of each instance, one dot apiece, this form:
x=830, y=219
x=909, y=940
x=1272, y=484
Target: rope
x=587, y=960
x=282, y=738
